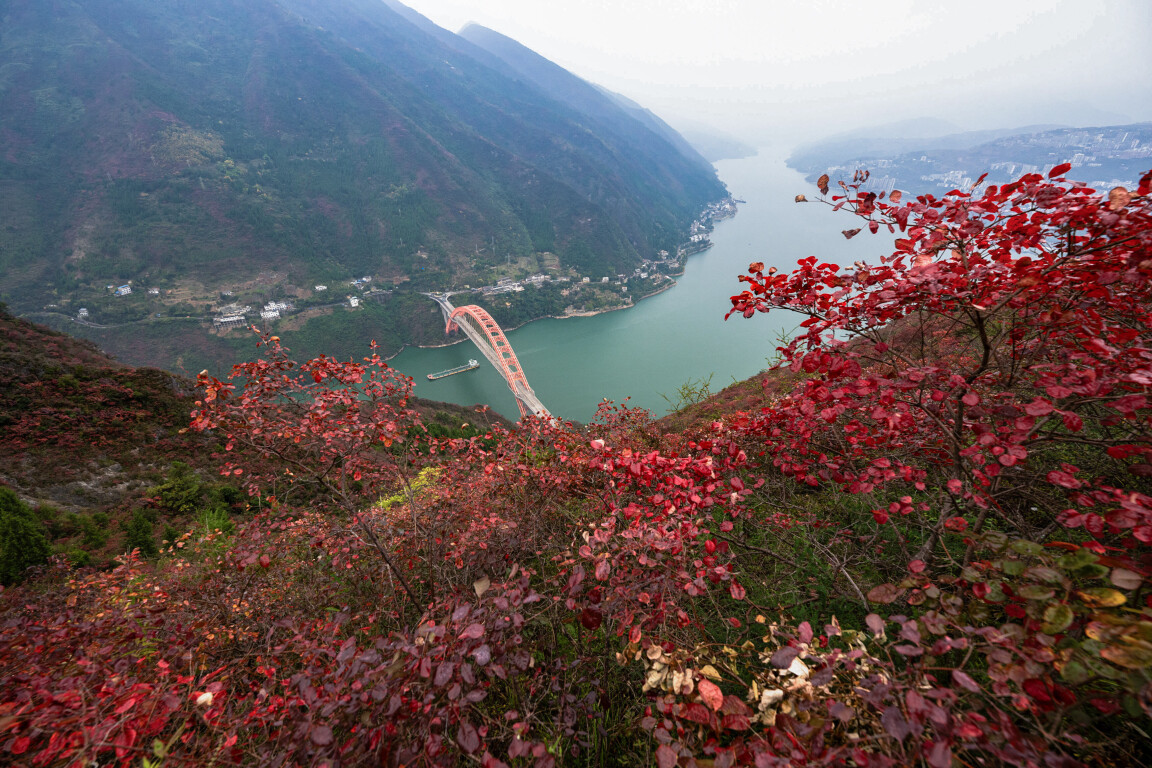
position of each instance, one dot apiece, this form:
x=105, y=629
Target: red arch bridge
x=479, y=326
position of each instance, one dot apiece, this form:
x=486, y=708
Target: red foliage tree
x=324, y=425
x=985, y=391
x=978, y=400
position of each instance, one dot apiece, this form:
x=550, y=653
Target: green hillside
x=203, y=148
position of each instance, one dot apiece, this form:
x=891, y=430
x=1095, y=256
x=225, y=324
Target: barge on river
x=453, y=371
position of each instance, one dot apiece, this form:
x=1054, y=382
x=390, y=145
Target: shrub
x=138, y=534
x=23, y=544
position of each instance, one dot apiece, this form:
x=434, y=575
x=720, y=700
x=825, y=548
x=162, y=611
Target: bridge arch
x=489, y=338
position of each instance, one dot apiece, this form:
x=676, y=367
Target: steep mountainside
x=190, y=147
x=89, y=442
x=622, y=122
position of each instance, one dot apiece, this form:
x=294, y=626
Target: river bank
x=674, y=336
x=669, y=285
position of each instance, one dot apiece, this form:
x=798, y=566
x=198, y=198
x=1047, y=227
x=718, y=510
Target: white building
x=353, y=301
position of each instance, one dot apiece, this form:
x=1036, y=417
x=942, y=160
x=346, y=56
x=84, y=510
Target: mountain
x=613, y=114
x=1102, y=156
x=261, y=147
x=926, y=134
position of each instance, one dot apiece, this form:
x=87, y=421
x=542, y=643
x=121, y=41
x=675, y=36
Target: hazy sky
x=763, y=67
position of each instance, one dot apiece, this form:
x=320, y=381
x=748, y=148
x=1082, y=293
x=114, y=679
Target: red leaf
x=468, y=738
x=321, y=735
x=850, y=233
x=603, y=569
x=1056, y=477
x=735, y=723
x=1037, y=690
x=472, y=632
x=1059, y=170
x=1038, y=407
x=884, y=593
x=895, y=724
x=265, y=561
x=963, y=680
x=783, y=658
x=940, y=755
x=841, y=711
x=695, y=712
x=736, y=591
x=591, y=618
x=1145, y=184
x=665, y=756
x=710, y=694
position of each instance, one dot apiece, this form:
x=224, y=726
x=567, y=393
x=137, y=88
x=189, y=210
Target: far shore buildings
x=228, y=321
x=230, y=316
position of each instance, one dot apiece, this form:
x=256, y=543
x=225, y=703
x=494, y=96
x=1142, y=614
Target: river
x=647, y=352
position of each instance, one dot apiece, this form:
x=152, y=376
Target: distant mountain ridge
x=1100, y=156
x=898, y=138
x=191, y=146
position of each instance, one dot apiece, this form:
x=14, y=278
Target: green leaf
x=1037, y=592
x=1099, y=668
x=1057, y=618
x=1044, y=573
x=1013, y=567
x=1077, y=559
x=1092, y=571
x=1075, y=673
x=995, y=540
x=1025, y=547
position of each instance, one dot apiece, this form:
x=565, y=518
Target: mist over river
x=676, y=337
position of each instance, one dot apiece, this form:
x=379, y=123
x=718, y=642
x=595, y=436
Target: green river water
x=648, y=351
